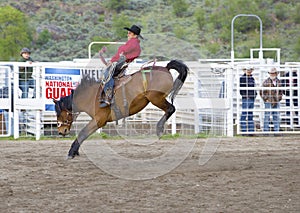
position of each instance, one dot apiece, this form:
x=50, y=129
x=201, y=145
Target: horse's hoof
x=159, y=134
x=69, y=157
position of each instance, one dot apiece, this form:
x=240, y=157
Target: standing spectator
x=291, y=94
x=247, y=83
x=25, y=73
x=271, y=96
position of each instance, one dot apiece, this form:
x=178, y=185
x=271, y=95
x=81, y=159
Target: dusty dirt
x=255, y=174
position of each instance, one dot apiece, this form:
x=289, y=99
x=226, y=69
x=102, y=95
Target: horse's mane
x=64, y=103
x=67, y=100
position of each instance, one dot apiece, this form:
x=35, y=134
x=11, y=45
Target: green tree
x=14, y=33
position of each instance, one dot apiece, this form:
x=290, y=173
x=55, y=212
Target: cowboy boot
x=107, y=93
x=106, y=97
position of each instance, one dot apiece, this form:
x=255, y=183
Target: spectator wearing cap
x=247, y=83
x=130, y=50
x=25, y=73
x=271, y=96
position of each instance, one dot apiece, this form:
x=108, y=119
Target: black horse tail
x=182, y=69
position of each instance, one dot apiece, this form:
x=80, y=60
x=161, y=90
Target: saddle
x=120, y=81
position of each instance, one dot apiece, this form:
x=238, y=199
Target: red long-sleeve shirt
x=131, y=50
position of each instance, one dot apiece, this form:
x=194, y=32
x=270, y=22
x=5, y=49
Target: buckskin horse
x=132, y=94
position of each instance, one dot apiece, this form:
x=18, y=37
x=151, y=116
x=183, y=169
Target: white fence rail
x=209, y=101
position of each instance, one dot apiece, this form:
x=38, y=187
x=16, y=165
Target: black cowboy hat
x=135, y=29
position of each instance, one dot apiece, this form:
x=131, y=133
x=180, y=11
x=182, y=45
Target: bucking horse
x=132, y=93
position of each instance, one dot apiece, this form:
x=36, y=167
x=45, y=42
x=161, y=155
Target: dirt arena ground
x=245, y=174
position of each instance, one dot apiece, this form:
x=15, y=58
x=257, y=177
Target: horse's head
x=64, y=118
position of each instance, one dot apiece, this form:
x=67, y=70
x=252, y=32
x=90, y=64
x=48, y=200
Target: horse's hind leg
x=90, y=128
x=161, y=123
x=164, y=105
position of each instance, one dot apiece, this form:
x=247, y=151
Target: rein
x=68, y=122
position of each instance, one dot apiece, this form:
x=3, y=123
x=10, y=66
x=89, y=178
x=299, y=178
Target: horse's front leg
x=89, y=129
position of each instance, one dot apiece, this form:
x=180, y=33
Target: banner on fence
x=58, y=83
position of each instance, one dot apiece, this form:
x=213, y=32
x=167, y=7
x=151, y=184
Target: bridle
x=70, y=118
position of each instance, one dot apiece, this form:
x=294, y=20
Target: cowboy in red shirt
x=130, y=50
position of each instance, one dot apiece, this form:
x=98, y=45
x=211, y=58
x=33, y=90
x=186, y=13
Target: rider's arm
x=103, y=50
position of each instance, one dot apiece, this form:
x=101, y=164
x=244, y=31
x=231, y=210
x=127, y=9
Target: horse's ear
x=57, y=107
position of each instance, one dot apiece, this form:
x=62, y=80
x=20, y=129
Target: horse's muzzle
x=63, y=131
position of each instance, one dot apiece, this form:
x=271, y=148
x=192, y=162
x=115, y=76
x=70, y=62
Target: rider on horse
x=131, y=50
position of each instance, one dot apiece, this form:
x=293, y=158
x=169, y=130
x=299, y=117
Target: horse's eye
x=59, y=124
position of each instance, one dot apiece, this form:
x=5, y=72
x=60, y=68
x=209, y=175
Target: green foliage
x=281, y=11
x=179, y=32
x=297, y=48
x=200, y=17
x=116, y=5
x=43, y=37
x=180, y=7
x=119, y=22
x=103, y=135
x=296, y=15
x=225, y=35
x=101, y=18
x=231, y=8
x=170, y=136
x=14, y=33
x=62, y=30
x=213, y=47
x=96, y=47
x=202, y=135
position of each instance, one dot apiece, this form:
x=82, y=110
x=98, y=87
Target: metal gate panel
x=5, y=101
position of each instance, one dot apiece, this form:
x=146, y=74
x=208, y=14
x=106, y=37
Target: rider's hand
x=103, y=50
